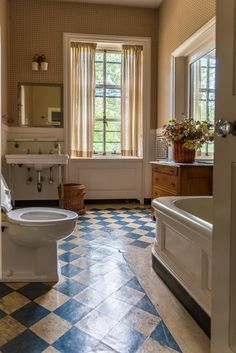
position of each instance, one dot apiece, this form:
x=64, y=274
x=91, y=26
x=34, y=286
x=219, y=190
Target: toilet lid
x=5, y=196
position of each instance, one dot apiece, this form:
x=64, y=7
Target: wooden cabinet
x=170, y=179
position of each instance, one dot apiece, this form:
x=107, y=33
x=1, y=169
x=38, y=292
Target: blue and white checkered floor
x=98, y=305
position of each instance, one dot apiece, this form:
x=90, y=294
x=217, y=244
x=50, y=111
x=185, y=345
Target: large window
x=107, y=119
x=202, y=103
x=202, y=91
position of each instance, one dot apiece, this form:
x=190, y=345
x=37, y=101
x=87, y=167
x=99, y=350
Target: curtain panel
x=132, y=101
x=82, y=98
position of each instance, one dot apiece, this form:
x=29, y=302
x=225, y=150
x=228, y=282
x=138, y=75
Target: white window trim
x=201, y=42
x=117, y=41
x=194, y=47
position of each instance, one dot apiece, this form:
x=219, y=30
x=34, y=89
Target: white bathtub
x=184, y=241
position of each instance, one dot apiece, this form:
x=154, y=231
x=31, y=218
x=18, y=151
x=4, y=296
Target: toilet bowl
x=29, y=240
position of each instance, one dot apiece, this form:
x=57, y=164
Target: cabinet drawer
x=168, y=182
x=157, y=192
x=165, y=169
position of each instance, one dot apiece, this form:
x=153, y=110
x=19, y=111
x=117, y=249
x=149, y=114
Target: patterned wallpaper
x=37, y=26
x=178, y=20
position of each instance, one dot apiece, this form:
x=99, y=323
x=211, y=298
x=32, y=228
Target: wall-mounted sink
x=37, y=161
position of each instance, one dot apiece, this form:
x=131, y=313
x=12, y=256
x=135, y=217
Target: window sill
x=108, y=158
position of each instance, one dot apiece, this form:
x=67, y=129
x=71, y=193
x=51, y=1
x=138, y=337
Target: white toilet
x=29, y=240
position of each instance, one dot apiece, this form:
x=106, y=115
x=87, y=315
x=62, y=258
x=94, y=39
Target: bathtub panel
x=183, y=252
x=184, y=247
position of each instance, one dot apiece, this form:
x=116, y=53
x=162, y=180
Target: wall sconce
x=39, y=63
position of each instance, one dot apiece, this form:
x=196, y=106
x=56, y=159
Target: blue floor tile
x=164, y=337
x=69, y=256
x=72, y=311
x=140, y=244
x=89, y=236
x=4, y=290
x=146, y=305
x=134, y=283
x=30, y=314
x=26, y=342
x=70, y=270
x=71, y=237
x=133, y=236
x=67, y=246
x=70, y=287
x=34, y=290
x=2, y=314
x=75, y=341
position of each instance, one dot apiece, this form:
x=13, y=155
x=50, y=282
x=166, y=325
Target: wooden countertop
x=174, y=164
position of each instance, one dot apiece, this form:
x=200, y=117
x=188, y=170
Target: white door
x=224, y=235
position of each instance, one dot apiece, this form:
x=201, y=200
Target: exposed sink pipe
x=51, y=176
x=39, y=181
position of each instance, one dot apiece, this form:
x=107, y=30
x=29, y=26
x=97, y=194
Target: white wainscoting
x=109, y=178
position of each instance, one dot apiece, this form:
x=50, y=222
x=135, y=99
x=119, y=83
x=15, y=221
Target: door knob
x=223, y=128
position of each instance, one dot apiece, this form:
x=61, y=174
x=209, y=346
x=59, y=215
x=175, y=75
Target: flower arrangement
x=190, y=133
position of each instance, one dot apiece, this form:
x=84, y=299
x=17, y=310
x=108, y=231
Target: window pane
x=98, y=125
x=113, y=57
x=113, y=92
x=211, y=109
x=98, y=108
x=113, y=126
x=113, y=147
x=212, y=95
x=98, y=136
x=99, y=92
x=113, y=136
x=98, y=147
x=99, y=73
x=99, y=56
x=113, y=108
x=212, y=78
x=203, y=110
x=203, y=77
x=113, y=74
x=203, y=95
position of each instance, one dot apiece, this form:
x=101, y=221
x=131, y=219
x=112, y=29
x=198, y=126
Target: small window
x=107, y=119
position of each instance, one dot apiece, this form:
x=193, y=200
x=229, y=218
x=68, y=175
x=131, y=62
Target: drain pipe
x=39, y=181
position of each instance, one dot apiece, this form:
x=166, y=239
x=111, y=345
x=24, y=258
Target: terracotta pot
x=182, y=154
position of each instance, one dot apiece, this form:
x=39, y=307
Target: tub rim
x=167, y=206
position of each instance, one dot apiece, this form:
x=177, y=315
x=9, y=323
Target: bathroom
x=107, y=295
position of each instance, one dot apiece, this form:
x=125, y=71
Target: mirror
x=40, y=105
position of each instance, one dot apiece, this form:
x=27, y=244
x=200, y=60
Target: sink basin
x=37, y=161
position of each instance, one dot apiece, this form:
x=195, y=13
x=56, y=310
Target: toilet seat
x=40, y=216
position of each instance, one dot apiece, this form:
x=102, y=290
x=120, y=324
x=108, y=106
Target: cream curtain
x=132, y=103
x=82, y=98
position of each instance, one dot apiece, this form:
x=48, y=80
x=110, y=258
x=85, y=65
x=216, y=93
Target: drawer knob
x=172, y=184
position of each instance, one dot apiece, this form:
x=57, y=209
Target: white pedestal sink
x=37, y=162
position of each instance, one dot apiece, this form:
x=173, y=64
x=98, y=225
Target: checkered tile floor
x=98, y=305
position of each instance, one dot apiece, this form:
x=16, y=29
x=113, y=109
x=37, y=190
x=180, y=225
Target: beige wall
x=37, y=26
x=4, y=54
x=178, y=20
x=4, y=62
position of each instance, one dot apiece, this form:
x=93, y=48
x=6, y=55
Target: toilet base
x=29, y=264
